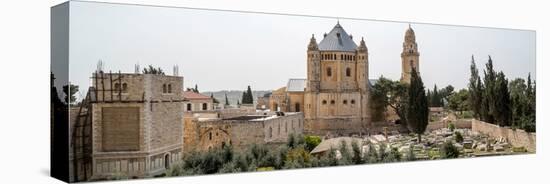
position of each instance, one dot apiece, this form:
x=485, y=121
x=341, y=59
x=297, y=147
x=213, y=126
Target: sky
x=223, y=50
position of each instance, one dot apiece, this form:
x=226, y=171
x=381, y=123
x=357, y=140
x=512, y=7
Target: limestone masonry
x=335, y=95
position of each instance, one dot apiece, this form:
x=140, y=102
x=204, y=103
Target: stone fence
x=515, y=137
x=461, y=123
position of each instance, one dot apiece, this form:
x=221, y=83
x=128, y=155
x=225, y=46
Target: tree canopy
x=152, y=70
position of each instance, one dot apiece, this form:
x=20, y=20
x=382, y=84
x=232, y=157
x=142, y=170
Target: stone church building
x=335, y=95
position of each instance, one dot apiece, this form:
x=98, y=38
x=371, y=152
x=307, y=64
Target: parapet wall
x=515, y=137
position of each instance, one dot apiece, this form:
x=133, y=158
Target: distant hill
x=233, y=95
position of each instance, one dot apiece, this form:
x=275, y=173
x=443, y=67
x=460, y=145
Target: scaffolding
x=82, y=145
x=82, y=138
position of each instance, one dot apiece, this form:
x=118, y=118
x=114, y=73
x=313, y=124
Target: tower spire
x=409, y=56
x=312, y=43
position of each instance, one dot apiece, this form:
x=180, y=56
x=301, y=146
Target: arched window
x=117, y=87
x=210, y=135
x=345, y=102
x=124, y=87
x=166, y=161
x=204, y=106
x=341, y=57
x=332, y=102
x=297, y=107
x=329, y=71
x=169, y=88
x=164, y=88
x=324, y=102
x=348, y=72
x=189, y=107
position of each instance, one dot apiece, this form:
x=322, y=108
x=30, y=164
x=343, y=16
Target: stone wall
x=235, y=112
x=205, y=134
x=461, y=123
x=515, y=137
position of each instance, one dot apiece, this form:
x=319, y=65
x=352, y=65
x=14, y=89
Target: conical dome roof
x=337, y=40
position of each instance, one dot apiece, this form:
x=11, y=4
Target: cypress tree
x=417, y=111
x=435, y=97
x=244, y=96
x=502, y=101
x=489, y=92
x=214, y=100
x=226, y=100
x=474, y=89
x=429, y=95
x=250, y=96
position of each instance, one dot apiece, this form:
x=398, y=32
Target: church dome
x=337, y=40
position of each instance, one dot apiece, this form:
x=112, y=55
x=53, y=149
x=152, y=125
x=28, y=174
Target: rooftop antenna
x=99, y=66
x=176, y=70
x=136, y=68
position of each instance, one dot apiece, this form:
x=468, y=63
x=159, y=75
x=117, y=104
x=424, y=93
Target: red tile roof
x=190, y=95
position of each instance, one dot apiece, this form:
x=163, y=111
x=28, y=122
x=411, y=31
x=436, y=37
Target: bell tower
x=313, y=65
x=409, y=56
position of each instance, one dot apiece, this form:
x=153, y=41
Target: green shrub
x=519, y=149
x=467, y=115
x=458, y=137
x=298, y=157
x=356, y=149
x=392, y=156
x=345, y=153
x=371, y=156
x=410, y=154
x=312, y=142
x=448, y=150
x=451, y=126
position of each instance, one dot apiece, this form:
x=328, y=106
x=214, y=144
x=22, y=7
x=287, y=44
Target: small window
x=117, y=87
x=124, y=87
x=329, y=71
x=348, y=72
x=210, y=135
x=270, y=132
x=169, y=88
x=324, y=102
x=345, y=102
x=164, y=88
x=188, y=107
x=204, y=106
x=352, y=101
x=332, y=102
